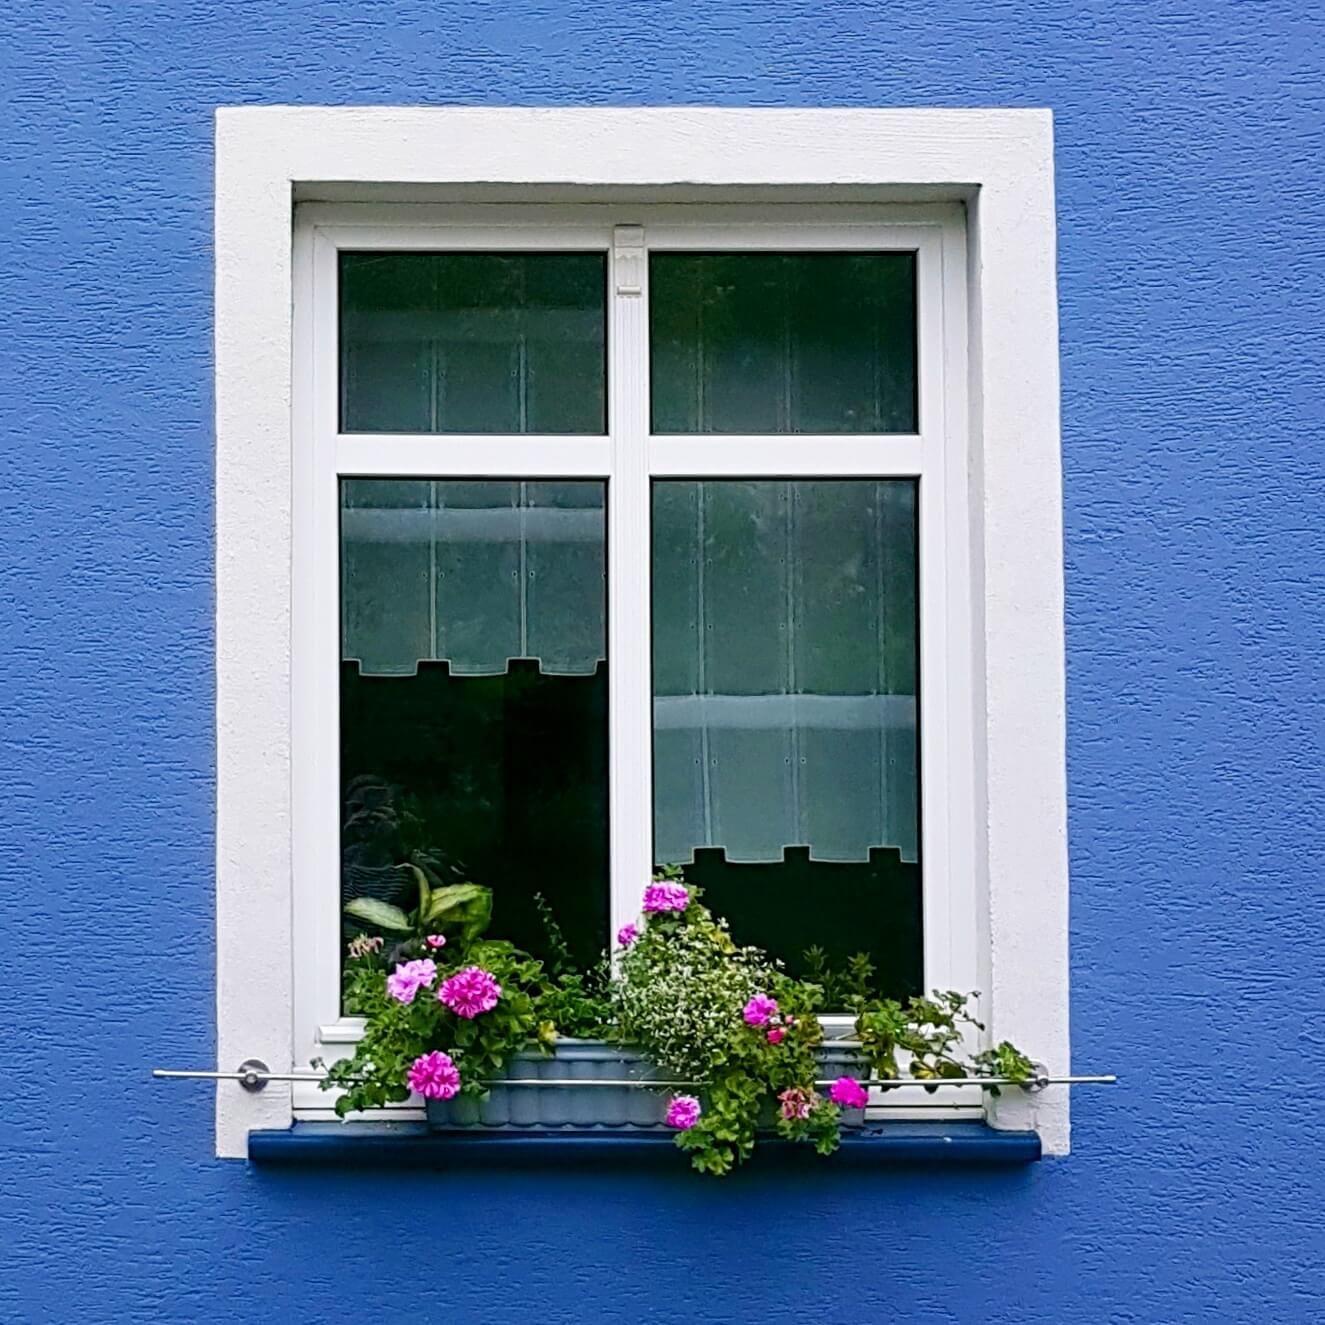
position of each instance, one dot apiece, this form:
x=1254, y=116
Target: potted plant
x=723, y=1043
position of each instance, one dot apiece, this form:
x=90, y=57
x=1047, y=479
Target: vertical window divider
x=629, y=554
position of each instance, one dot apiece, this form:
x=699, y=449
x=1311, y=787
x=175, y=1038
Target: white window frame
x=993, y=822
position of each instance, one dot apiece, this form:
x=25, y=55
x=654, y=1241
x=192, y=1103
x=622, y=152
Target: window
x=504, y=518
x=635, y=514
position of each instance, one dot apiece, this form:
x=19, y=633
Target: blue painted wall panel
x=1192, y=316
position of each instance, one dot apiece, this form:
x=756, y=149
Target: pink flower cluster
x=470, y=992
x=683, y=1112
x=627, y=935
x=434, y=1076
x=666, y=897
x=796, y=1103
x=409, y=977
x=762, y=1010
x=849, y=1093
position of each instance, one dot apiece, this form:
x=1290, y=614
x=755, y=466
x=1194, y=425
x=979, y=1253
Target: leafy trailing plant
x=727, y=1019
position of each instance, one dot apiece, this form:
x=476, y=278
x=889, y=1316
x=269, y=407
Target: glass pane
x=785, y=711
x=783, y=342
x=474, y=697
x=473, y=342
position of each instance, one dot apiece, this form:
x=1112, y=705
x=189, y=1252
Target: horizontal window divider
x=787, y=455
x=496, y=455
x=792, y=211
x=777, y=234
x=489, y=234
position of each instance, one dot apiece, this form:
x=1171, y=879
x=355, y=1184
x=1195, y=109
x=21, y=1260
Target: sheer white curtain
x=473, y=574
x=784, y=626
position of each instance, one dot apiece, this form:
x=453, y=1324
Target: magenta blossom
x=434, y=1076
x=849, y=1093
x=469, y=992
x=409, y=977
x=760, y=1009
x=627, y=935
x=776, y=1035
x=436, y=940
x=666, y=897
x=683, y=1112
x=796, y=1103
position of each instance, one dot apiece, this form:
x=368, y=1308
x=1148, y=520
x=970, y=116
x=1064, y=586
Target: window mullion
x=628, y=562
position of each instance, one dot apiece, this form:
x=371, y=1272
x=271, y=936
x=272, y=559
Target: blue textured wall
x=1192, y=316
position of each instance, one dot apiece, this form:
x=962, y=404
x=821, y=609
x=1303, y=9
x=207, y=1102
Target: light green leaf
x=465, y=904
x=425, y=892
x=381, y=914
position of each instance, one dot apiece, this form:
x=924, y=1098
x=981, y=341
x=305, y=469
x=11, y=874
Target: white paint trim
x=1000, y=162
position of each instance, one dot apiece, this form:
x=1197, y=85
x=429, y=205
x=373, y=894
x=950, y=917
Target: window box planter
x=542, y=1108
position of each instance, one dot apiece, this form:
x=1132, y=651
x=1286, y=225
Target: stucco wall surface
x=1192, y=314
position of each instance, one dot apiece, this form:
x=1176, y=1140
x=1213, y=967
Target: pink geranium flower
x=666, y=897
x=470, y=992
x=683, y=1112
x=436, y=940
x=409, y=977
x=849, y=1093
x=627, y=935
x=776, y=1035
x=434, y=1076
x=796, y=1103
x=760, y=1010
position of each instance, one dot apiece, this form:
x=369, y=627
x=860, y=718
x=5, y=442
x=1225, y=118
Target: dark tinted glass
x=783, y=342
x=473, y=342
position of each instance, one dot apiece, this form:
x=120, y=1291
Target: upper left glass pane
x=473, y=342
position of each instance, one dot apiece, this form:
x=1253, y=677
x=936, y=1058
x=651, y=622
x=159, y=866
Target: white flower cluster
x=681, y=999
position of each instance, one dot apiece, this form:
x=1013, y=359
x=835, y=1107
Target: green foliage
x=463, y=907
x=922, y=1039
x=1003, y=1060
x=576, y=1003
x=844, y=990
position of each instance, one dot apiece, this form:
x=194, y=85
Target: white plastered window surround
x=970, y=191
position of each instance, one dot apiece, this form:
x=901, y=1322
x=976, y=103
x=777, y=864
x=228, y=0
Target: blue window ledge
x=412, y=1145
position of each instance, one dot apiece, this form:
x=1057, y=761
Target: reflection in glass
x=474, y=696
x=473, y=342
x=786, y=774
x=782, y=342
